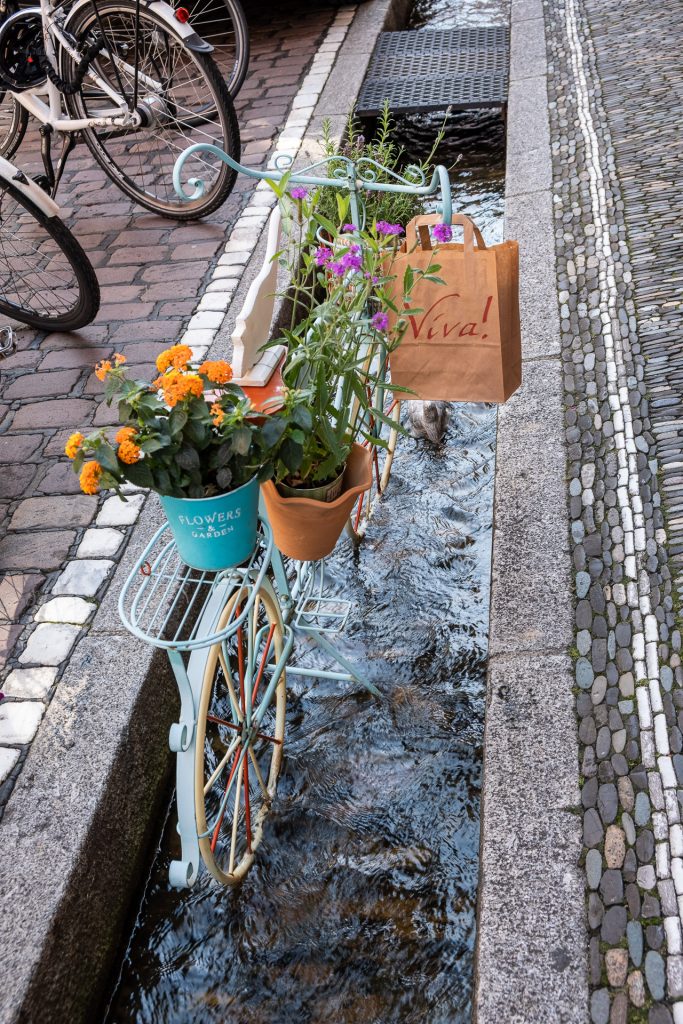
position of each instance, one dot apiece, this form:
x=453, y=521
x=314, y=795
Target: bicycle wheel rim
x=222, y=24
x=185, y=101
x=229, y=790
x=46, y=280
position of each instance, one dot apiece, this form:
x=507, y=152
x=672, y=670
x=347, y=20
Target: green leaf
x=187, y=458
x=224, y=454
x=273, y=429
x=241, y=441
x=140, y=474
x=177, y=420
x=224, y=478
x=107, y=459
x=302, y=417
x=291, y=454
x=153, y=444
x=196, y=431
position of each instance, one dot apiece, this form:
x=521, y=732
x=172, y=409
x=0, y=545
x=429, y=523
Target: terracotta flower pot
x=307, y=529
x=327, y=492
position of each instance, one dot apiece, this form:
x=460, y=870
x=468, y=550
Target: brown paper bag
x=465, y=345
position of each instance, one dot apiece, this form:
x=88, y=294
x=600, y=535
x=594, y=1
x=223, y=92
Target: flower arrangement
x=338, y=341
x=188, y=433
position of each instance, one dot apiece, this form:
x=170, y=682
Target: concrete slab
x=528, y=129
x=527, y=53
x=532, y=932
x=529, y=218
x=530, y=608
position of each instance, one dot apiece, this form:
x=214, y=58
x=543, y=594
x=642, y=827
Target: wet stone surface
x=618, y=204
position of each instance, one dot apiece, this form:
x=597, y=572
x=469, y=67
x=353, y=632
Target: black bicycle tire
x=17, y=128
x=88, y=286
x=190, y=211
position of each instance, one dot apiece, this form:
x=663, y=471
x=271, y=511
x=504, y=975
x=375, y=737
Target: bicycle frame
x=11, y=174
x=45, y=101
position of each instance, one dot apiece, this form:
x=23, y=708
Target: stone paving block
x=16, y=593
x=19, y=447
x=30, y=683
x=101, y=542
x=41, y=550
x=8, y=759
x=83, y=577
x=65, y=609
x=78, y=510
x=49, y=644
x=53, y=413
x=19, y=720
x=117, y=512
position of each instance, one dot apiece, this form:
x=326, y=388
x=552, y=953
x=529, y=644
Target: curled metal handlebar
x=354, y=176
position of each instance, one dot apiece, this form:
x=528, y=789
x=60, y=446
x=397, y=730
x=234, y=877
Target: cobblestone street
x=618, y=206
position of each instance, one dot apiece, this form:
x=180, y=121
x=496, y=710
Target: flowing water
x=361, y=904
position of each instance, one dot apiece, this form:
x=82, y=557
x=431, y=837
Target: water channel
x=361, y=905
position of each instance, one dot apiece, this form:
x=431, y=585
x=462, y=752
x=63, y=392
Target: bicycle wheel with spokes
x=223, y=24
x=46, y=280
x=181, y=96
x=13, y=124
x=240, y=734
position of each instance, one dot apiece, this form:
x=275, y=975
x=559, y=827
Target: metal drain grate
x=431, y=69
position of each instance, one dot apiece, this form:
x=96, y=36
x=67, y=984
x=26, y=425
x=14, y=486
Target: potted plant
x=320, y=438
x=189, y=435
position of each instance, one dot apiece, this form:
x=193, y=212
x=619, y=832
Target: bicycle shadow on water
x=361, y=902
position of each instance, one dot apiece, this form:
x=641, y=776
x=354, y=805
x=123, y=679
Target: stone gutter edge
x=531, y=959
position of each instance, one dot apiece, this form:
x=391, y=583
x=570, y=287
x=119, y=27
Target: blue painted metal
x=355, y=176
x=214, y=533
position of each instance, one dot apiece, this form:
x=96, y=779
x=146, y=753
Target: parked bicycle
x=136, y=81
x=46, y=279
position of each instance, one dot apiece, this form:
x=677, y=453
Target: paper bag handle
x=421, y=237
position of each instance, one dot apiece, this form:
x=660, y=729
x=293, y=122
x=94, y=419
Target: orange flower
x=102, y=369
x=73, y=444
x=217, y=413
x=128, y=452
x=90, y=477
x=218, y=371
x=176, y=386
x=178, y=356
x=119, y=359
x=125, y=434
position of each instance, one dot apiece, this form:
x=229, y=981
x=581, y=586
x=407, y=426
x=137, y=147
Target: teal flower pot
x=215, y=533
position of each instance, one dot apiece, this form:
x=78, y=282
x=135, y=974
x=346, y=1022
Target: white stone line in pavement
x=654, y=736
x=58, y=626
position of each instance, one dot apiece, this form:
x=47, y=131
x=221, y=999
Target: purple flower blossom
x=385, y=228
x=336, y=268
x=349, y=227
x=442, y=232
x=380, y=321
x=323, y=255
x=351, y=261
x=298, y=192
x=375, y=279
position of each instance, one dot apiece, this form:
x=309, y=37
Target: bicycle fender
x=25, y=185
x=184, y=30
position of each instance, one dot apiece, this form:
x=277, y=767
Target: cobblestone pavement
x=614, y=71
x=53, y=540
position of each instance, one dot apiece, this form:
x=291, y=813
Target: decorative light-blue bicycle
x=230, y=636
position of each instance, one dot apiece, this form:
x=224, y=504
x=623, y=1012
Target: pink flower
x=298, y=192
x=385, y=228
x=442, y=232
x=323, y=255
